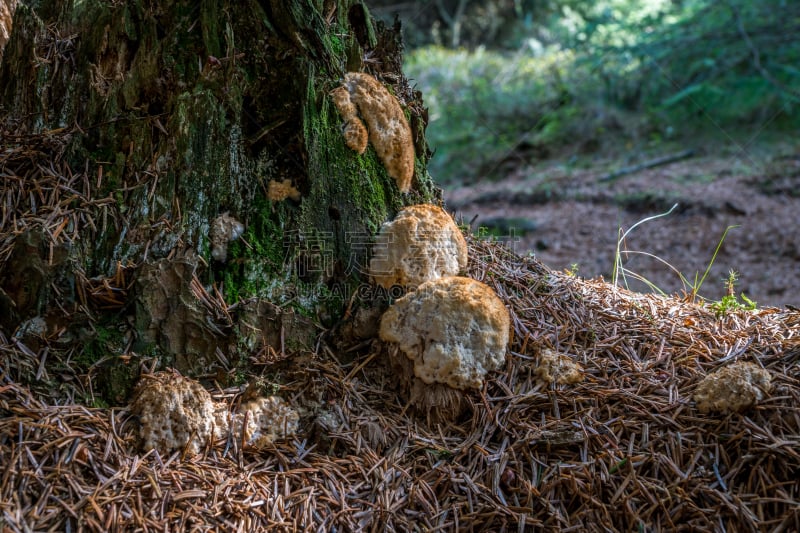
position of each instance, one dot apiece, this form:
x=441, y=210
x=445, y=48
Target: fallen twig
x=665, y=160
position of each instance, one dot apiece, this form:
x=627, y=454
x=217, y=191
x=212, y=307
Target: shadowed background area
x=568, y=121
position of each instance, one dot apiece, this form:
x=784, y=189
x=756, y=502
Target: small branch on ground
x=665, y=160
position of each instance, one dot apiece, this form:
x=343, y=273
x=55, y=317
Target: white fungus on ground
x=421, y=244
x=177, y=414
x=453, y=330
x=734, y=388
x=262, y=421
x=558, y=368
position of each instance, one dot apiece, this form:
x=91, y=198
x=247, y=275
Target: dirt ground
x=570, y=216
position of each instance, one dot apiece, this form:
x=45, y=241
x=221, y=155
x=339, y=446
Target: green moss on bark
x=180, y=112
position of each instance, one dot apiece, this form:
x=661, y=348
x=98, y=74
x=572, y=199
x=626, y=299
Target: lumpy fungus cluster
x=448, y=331
x=361, y=98
x=443, y=336
x=178, y=414
x=733, y=388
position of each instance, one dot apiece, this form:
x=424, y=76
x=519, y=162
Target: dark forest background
x=544, y=76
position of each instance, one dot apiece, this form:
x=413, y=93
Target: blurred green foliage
x=535, y=77
x=735, y=61
x=472, y=23
x=488, y=108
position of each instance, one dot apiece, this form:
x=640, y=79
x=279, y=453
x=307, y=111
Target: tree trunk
x=129, y=128
x=7, y=8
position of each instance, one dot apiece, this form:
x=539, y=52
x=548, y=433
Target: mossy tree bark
x=129, y=127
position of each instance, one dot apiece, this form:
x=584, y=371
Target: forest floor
x=622, y=443
x=596, y=422
x=569, y=215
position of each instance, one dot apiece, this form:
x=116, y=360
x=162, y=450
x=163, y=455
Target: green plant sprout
x=572, y=270
x=690, y=288
x=730, y=302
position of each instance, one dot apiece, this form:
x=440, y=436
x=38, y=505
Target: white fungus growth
x=734, y=388
x=453, y=329
x=558, y=368
x=421, y=244
x=177, y=413
x=224, y=229
x=262, y=421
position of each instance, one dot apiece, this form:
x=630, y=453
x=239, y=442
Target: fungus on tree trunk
x=421, y=244
x=278, y=191
x=224, y=229
x=7, y=8
x=389, y=131
x=167, y=118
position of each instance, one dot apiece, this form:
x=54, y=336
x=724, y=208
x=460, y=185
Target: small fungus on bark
x=278, y=191
x=224, y=229
x=355, y=133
